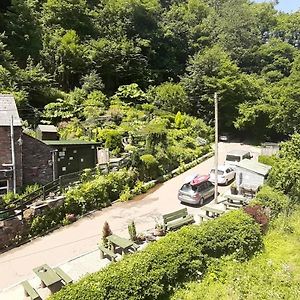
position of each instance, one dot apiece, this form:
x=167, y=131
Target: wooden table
x=47, y=275
x=120, y=242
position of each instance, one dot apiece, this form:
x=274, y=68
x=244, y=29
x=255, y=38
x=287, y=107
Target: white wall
x=247, y=177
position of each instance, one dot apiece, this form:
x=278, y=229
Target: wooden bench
x=30, y=291
x=177, y=219
x=103, y=250
x=63, y=275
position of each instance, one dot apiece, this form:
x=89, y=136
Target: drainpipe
x=13, y=155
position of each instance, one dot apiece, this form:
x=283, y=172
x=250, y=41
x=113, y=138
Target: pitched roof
x=254, y=166
x=8, y=109
x=47, y=128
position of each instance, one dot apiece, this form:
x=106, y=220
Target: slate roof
x=254, y=166
x=8, y=109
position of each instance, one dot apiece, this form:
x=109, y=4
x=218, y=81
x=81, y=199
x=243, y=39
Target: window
x=3, y=187
x=202, y=187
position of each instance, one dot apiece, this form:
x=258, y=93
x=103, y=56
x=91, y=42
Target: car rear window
x=233, y=158
x=188, y=188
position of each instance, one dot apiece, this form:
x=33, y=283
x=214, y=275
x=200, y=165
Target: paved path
x=83, y=235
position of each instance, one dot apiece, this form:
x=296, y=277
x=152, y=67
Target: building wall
x=37, y=161
x=73, y=158
x=6, y=156
x=247, y=177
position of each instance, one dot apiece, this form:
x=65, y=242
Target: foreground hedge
x=180, y=256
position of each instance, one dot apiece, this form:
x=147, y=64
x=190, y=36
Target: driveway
x=82, y=236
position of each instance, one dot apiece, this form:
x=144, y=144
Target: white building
x=250, y=175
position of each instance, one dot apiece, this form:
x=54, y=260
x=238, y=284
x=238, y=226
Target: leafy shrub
x=285, y=176
x=45, y=222
x=176, y=258
x=149, y=167
x=112, y=138
x=126, y=194
x=234, y=233
x=273, y=199
x=10, y=197
x=139, y=188
x=268, y=160
x=99, y=192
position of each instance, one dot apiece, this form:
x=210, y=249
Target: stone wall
x=10, y=232
x=37, y=161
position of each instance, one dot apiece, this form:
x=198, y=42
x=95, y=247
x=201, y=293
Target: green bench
x=63, y=275
x=232, y=205
x=30, y=291
x=103, y=250
x=237, y=199
x=177, y=219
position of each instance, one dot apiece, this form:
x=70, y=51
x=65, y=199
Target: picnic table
x=117, y=241
x=47, y=275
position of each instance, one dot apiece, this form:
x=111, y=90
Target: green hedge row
x=180, y=256
x=89, y=195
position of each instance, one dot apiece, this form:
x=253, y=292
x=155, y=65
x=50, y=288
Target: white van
x=235, y=156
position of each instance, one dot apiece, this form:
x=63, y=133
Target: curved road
x=83, y=235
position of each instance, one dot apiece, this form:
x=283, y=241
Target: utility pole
x=13, y=157
x=216, y=148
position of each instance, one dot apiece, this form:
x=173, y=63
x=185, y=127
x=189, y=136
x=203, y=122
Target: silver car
x=196, y=191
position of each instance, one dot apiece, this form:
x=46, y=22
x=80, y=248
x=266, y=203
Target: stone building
x=34, y=160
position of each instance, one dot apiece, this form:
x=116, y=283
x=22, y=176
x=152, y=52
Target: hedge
x=180, y=256
x=89, y=195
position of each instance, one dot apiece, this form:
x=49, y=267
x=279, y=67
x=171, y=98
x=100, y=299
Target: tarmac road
x=82, y=236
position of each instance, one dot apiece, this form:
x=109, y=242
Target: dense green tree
x=213, y=71
x=118, y=62
x=23, y=30
x=69, y=15
x=170, y=97
x=64, y=57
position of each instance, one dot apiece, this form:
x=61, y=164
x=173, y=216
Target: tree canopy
x=173, y=54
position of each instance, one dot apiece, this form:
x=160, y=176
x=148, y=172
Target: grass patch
x=272, y=274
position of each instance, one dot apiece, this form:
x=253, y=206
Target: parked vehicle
x=235, y=156
x=225, y=174
x=197, y=190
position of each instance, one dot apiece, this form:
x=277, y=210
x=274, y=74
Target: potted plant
x=159, y=229
x=106, y=231
x=132, y=231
